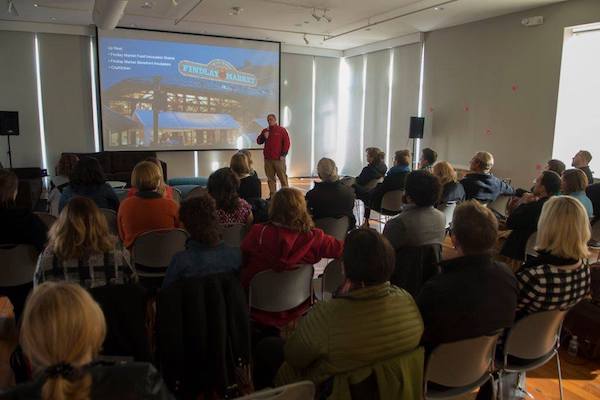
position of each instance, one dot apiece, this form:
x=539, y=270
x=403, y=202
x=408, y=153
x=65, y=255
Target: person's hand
x=265, y=133
x=528, y=198
x=282, y=158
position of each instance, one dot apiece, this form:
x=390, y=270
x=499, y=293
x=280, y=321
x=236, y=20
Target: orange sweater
x=139, y=214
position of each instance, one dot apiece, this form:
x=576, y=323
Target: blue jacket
x=485, y=187
x=103, y=195
x=199, y=259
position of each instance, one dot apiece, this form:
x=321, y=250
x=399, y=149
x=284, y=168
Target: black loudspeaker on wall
x=9, y=126
x=416, y=127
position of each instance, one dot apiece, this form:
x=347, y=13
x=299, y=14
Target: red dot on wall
x=515, y=87
x=466, y=108
x=488, y=131
x=430, y=109
x=538, y=167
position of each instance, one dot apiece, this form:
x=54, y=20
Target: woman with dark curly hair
x=205, y=252
x=223, y=186
x=87, y=180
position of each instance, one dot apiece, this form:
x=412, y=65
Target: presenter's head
x=272, y=119
x=581, y=159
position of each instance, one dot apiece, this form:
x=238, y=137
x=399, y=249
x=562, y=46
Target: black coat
x=109, y=381
x=391, y=182
x=588, y=172
x=331, y=199
x=21, y=226
x=203, y=333
x=250, y=187
x=370, y=173
x=593, y=192
x=473, y=296
x=485, y=187
x=453, y=192
x=523, y=223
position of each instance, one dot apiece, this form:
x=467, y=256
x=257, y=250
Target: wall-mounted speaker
x=9, y=123
x=416, y=127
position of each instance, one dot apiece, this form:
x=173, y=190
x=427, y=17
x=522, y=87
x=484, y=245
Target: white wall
x=493, y=85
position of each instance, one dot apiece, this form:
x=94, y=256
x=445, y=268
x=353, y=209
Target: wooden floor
x=581, y=380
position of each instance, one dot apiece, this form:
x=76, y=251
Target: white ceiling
x=281, y=20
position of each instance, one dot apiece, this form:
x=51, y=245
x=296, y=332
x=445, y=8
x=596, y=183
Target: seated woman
x=19, y=225
x=205, y=252
x=148, y=210
x=87, y=180
x=452, y=189
x=368, y=323
x=61, y=180
x=289, y=239
x=559, y=277
x=62, y=332
x=375, y=169
x=250, y=186
x=163, y=188
x=573, y=183
x=223, y=186
x=330, y=197
x=248, y=155
x=82, y=250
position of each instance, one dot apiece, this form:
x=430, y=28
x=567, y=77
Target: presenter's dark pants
x=273, y=167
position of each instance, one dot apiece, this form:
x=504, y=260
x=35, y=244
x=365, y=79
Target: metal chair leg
x=500, y=388
x=559, y=376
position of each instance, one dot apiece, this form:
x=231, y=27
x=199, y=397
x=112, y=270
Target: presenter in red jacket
x=277, y=145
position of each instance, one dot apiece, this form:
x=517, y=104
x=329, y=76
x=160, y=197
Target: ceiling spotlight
x=327, y=17
x=36, y=5
x=306, y=40
x=147, y=4
x=438, y=8
x=315, y=16
x=235, y=10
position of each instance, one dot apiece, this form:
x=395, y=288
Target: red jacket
x=278, y=143
x=269, y=246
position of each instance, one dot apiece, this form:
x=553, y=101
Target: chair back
x=500, y=205
x=17, y=264
x=333, y=278
x=304, y=390
x=274, y=291
x=152, y=251
x=195, y=192
x=596, y=230
x=463, y=363
x=530, y=246
x=233, y=234
x=392, y=201
x=535, y=335
x=448, y=210
x=121, y=194
x=372, y=183
x=336, y=227
x=47, y=218
x=111, y=220
x=176, y=195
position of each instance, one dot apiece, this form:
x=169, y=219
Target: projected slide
x=164, y=91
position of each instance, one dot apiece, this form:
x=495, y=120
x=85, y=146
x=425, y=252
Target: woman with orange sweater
x=147, y=210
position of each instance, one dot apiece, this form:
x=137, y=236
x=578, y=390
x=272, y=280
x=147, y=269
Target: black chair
x=415, y=266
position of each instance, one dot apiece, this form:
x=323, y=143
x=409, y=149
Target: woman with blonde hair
x=289, y=239
x=559, y=277
x=148, y=210
x=248, y=154
x=250, y=187
x=82, y=250
x=452, y=190
x=62, y=332
x=163, y=188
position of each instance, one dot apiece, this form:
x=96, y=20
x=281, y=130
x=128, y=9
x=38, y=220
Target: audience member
x=248, y=155
x=427, y=159
x=474, y=295
x=370, y=324
x=165, y=190
x=582, y=161
x=374, y=170
x=573, y=183
x=289, y=239
x=559, y=277
x=593, y=193
x=330, y=197
x=394, y=180
x=205, y=252
x=223, y=186
x=87, y=180
x=19, y=225
x=523, y=220
x=82, y=250
x=419, y=223
x=64, y=168
x=480, y=184
x=250, y=186
x=62, y=333
x=452, y=190
x=556, y=166
x=147, y=210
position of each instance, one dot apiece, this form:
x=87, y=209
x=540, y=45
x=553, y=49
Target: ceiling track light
x=327, y=17
x=314, y=15
x=306, y=39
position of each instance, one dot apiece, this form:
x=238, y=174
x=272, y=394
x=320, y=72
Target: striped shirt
x=97, y=269
x=547, y=287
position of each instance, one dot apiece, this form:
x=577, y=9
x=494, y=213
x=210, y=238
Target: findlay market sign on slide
x=216, y=70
